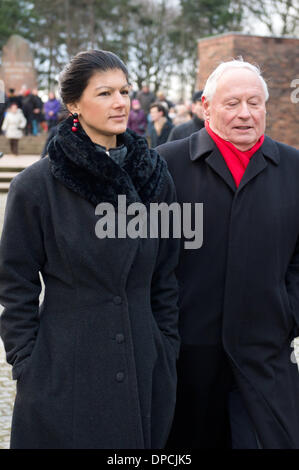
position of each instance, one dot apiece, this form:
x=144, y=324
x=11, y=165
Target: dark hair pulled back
x=75, y=76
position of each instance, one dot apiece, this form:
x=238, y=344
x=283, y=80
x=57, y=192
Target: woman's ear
x=73, y=108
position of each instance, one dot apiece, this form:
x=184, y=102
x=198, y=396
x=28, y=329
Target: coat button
x=120, y=376
x=117, y=300
x=119, y=338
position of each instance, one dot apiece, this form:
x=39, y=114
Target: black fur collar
x=93, y=175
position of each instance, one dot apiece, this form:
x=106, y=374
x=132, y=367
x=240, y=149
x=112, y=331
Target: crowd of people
x=160, y=120
x=25, y=113
x=152, y=116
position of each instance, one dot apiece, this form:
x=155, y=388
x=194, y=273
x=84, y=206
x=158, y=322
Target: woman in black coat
x=95, y=362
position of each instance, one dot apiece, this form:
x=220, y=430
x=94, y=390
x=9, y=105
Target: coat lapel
x=255, y=166
x=217, y=163
x=259, y=162
x=202, y=145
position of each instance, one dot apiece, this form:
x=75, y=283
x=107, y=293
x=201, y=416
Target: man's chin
x=244, y=141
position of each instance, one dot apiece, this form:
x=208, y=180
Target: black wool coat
x=156, y=139
x=239, y=293
x=95, y=363
x=186, y=129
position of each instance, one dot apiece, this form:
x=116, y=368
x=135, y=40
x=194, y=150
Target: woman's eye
x=104, y=93
x=125, y=92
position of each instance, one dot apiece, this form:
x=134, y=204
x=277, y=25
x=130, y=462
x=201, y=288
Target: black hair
x=160, y=107
x=75, y=76
x=197, y=96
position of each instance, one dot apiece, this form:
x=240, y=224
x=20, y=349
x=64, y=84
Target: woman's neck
x=107, y=141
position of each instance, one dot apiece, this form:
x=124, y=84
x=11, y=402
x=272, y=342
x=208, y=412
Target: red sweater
x=235, y=159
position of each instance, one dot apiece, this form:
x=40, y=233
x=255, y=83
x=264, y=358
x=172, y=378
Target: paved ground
x=7, y=385
x=20, y=160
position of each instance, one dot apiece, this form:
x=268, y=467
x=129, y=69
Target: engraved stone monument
x=17, y=66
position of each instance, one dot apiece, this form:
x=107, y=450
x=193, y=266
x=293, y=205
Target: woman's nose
x=120, y=100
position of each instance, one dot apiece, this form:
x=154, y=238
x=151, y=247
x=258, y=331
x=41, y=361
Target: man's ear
x=205, y=108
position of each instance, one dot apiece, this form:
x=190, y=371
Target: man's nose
x=244, y=112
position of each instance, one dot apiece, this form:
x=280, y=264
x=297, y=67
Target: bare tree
x=281, y=17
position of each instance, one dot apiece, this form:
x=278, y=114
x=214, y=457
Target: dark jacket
x=28, y=104
x=95, y=364
x=17, y=99
x=239, y=296
x=38, y=105
x=156, y=139
x=186, y=129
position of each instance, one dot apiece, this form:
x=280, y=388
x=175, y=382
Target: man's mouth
x=243, y=128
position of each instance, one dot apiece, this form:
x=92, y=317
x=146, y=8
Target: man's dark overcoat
x=95, y=364
x=239, y=293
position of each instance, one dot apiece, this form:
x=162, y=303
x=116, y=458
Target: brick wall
x=278, y=59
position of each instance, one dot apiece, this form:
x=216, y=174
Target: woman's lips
x=118, y=117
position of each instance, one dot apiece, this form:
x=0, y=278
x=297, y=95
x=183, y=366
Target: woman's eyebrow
x=109, y=87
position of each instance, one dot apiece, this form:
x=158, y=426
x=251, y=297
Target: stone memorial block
x=17, y=67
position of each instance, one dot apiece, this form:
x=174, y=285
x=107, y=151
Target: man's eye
x=253, y=103
x=233, y=103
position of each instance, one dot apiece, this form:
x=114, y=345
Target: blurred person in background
x=137, y=121
x=13, y=124
x=161, y=97
x=28, y=104
x=195, y=124
x=146, y=98
x=12, y=97
x=182, y=115
x=51, y=110
x=160, y=126
x=38, y=116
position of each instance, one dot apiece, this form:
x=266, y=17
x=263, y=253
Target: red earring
x=75, y=122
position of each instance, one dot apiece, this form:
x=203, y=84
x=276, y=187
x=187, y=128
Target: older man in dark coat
x=239, y=293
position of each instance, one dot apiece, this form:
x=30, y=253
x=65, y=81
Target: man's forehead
x=239, y=77
x=234, y=82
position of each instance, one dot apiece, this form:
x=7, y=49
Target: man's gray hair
x=211, y=84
